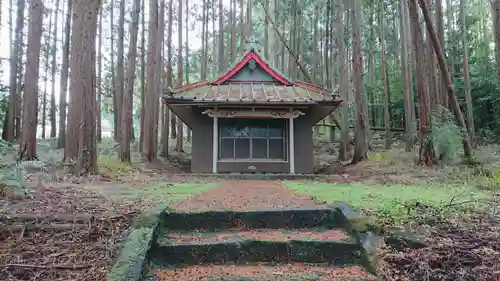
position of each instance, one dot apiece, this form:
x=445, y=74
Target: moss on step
x=133, y=256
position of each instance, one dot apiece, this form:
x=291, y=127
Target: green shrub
x=447, y=135
x=112, y=167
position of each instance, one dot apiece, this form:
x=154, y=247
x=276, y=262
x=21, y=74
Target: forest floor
x=70, y=228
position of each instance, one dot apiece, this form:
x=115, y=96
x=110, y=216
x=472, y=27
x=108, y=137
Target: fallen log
x=63, y=217
x=31, y=227
x=53, y=266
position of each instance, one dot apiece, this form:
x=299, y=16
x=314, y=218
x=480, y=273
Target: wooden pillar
x=292, y=143
x=215, y=146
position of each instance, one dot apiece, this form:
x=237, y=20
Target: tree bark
x=180, y=126
x=126, y=117
x=53, y=80
x=344, y=133
x=361, y=144
x=143, y=74
x=446, y=75
x=27, y=150
x=407, y=78
x=61, y=141
x=120, y=75
x=149, y=145
x=12, y=121
x=427, y=152
x=83, y=87
x=99, y=80
x=495, y=11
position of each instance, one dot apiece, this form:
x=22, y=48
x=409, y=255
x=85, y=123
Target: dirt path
x=245, y=195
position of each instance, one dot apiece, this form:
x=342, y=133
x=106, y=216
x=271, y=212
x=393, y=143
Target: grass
x=162, y=193
x=391, y=201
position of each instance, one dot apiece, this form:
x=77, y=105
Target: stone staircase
x=316, y=238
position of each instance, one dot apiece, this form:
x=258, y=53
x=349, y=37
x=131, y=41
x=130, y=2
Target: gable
x=250, y=63
x=249, y=73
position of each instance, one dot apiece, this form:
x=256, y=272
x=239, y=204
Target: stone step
x=322, y=216
x=262, y=272
x=262, y=245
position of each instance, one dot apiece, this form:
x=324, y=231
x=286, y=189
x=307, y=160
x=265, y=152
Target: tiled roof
x=234, y=93
x=224, y=91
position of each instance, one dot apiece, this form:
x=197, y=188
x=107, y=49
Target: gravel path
x=243, y=195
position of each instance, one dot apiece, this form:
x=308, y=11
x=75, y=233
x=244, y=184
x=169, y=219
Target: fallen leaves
x=60, y=233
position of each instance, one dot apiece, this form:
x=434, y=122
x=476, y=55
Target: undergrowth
x=396, y=204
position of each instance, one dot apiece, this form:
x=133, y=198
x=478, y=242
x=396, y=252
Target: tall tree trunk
x=406, y=60
x=467, y=86
x=242, y=27
x=143, y=73
x=119, y=86
x=431, y=71
x=47, y=52
x=180, y=126
x=449, y=85
x=12, y=121
x=126, y=117
x=27, y=150
x=440, y=30
x=344, y=134
x=361, y=144
x=99, y=80
x=159, y=70
x=232, y=20
x=149, y=145
x=53, y=80
x=385, y=82
x=188, y=131
x=61, y=141
x=82, y=85
x=112, y=64
x=222, y=60
x=495, y=7
x=427, y=153
x=166, y=112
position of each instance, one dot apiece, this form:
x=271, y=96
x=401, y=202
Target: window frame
x=247, y=123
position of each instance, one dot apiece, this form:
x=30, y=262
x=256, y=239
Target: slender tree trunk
x=119, y=86
x=47, y=52
x=344, y=134
x=427, y=153
x=361, y=144
x=99, y=80
x=27, y=150
x=82, y=85
x=385, y=82
x=143, y=74
x=242, y=27
x=188, y=131
x=64, y=83
x=126, y=118
x=467, y=86
x=449, y=85
x=495, y=7
x=180, y=125
x=166, y=112
x=149, y=145
x=440, y=29
x=53, y=80
x=406, y=59
x=11, y=122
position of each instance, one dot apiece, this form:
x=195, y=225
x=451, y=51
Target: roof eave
x=185, y=101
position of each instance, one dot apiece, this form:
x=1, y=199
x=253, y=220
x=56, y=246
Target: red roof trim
x=191, y=86
x=262, y=64
x=311, y=86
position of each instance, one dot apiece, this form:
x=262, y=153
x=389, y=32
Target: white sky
x=194, y=34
